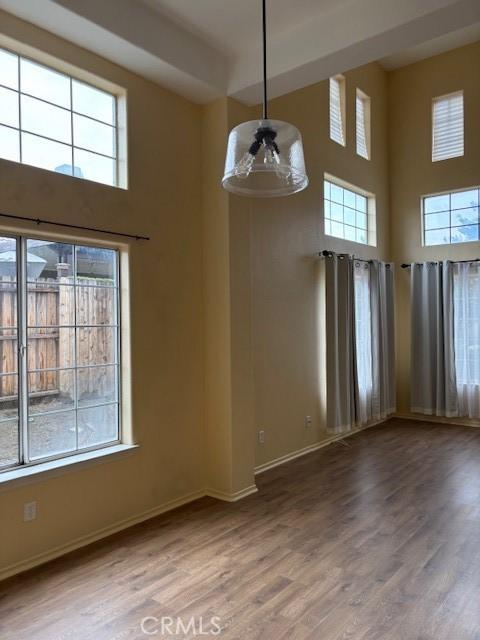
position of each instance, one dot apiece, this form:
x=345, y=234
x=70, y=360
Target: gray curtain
x=340, y=347
x=382, y=309
x=433, y=378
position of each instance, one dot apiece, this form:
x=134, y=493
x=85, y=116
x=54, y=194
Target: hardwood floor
x=376, y=540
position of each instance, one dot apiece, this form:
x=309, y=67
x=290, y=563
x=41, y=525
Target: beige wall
x=413, y=174
x=163, y=201
x=287, y=234
x=228, y=339
x=226, y=316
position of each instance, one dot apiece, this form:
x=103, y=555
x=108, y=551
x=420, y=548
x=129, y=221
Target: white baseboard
x=82, y=541
x=313, y=447
x=421, y=417
x=231, y=497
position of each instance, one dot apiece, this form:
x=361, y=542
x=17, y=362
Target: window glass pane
x=8, y=69
x=9, y=443
x=361, y=220
x=45, y=154
x=50, y=305
x=96, y=345
x=326, y=190
x=9, y=144
x=465, y=234
x=96, y=385
x=437, y=220
x=336, y=193
x=438, y=236
x=9, y=397
x=349, y=198
x=51, y=391
x=97, y=425
x=464, y=216
x=46, y=120
x=9, y=107
x=96, y=265
x=96, y=305
x=94, y=167
x=361, y=236
x=93, y=102
x=50, y=348
x=349, y=216
x=52, y=434
x=328, y=227
x=8, y=351
x=49, y=262
x=337, y=229
x=45, y=83
x=336, y=212
x=433, y=204
x=349, y=233
x=327, y=205
x=93, y=136
x=361, y=202
x=464, y=199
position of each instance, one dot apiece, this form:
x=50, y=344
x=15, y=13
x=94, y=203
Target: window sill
x=45, y=470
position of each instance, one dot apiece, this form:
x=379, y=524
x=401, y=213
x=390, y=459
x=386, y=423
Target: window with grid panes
x=53, y=121
x=59, y=378
x=450, y=218
x=346, y=213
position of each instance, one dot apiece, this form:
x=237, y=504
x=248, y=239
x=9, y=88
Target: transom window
x=450, y=218
x=59, y=349
x=52, y=121
x=347, y=213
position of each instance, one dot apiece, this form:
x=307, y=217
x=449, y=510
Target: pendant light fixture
x=265, y=157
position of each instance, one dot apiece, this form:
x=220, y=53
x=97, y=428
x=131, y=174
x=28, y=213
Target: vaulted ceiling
x=207, y=48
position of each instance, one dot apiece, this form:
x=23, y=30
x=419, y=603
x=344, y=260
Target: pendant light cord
x=264, y=16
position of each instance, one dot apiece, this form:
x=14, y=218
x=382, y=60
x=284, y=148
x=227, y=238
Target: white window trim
x=75, y=73
x=371, y=210
x=444, y=193
x=53, y=468
x=340, y=81
x=365, y=101
x=435, y=100
x=126, y=442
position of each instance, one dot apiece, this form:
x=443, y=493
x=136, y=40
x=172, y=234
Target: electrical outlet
x=29, y=511
x=308, y=422
x=261, y=436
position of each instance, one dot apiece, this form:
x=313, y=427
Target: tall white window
x=337, y=109
x=59, y=349
x=363, y=124
x=449, y=218
x=349, y=212
x=363, y=332
x=53, y=121
x=447, y=126
x=466, y=290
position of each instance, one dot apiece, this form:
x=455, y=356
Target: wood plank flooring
x=377, y=539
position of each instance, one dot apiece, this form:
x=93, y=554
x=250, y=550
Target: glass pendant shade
x=265, y=159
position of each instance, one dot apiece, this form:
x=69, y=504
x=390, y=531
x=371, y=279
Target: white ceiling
x=233, y=26
x=207, y=48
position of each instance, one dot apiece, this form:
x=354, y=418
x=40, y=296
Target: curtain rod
x=407, y=265
x=40, y=221
x=326, y=254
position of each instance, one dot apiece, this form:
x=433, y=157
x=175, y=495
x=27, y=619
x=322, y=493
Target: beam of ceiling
x=205, y=53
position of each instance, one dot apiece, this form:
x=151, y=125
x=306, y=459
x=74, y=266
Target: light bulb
x=244, y=166
x=274, y=161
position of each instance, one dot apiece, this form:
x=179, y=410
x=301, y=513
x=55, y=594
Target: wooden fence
x=51, y=343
